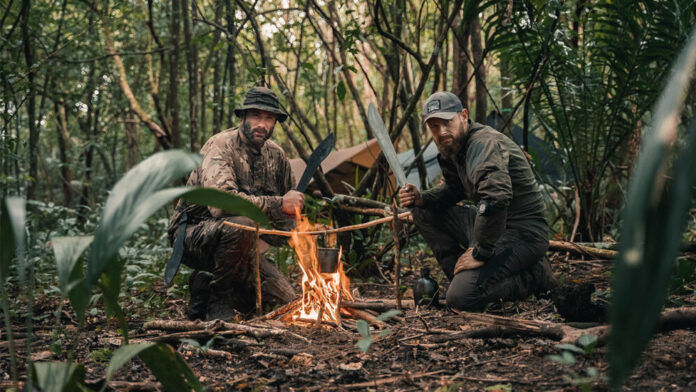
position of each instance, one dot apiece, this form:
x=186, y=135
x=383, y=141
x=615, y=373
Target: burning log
x=321, y=292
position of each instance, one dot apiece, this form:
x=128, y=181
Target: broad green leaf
x=123, y=355
x=388, y=314
x=566, y=358
x=68, y=252
x=570, y=347
x=341, y=90
x=363, y=328
x=59, y=376
x=166, y=365
x=653, y=220
x=588, y=342
x=170, y=369
x=228, y=202
x=364, y=343
x=12, y=222
x=132, y=200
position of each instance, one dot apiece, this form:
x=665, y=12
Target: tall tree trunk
x=477, y=52
x=31, y=102
x=192, y=68
x=460, y=63
x=132, y=138
x=230, y=8
x=173, y=94
x=63, y=136
x=218, y=97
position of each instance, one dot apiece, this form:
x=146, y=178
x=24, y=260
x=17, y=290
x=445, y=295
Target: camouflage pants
x=517, y=269
x=223, y=260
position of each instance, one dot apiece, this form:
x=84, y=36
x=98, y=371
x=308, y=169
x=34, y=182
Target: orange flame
x=320, y=291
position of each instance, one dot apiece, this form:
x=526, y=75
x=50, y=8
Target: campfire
x=322, y=292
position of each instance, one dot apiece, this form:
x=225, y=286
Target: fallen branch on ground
x=670, y=319
x=565, y=246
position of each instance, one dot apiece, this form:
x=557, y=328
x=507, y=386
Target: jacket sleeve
x=448, y=193
x=218, y=171
x=487, y=168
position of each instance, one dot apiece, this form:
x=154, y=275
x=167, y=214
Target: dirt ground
x=410, y=358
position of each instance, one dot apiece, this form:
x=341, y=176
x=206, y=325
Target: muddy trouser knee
x=228, y=254
x=512, y=273
x=448, y=233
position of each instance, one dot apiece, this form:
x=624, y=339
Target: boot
x=544, y=277
x=199, y=287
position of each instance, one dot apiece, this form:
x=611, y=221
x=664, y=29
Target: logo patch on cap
x=433, y=106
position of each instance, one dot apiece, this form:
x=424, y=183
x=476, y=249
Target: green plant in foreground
x=586, y=345
x=653, y=221
x=134, y=198
x=364, y=329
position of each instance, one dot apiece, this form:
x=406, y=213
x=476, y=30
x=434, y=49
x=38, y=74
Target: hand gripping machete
x=315, y=159
x=380, y=130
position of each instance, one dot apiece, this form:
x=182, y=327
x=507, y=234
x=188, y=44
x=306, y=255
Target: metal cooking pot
x=328, y=260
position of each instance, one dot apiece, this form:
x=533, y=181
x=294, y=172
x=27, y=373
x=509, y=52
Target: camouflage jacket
x=492, y=167
x=232, y=164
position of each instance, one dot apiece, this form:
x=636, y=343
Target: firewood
x=290, y=307
x=220, y=328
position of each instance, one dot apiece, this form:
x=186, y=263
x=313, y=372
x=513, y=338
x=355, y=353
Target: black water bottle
x=426, y=291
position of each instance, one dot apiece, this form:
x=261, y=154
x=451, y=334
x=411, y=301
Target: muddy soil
x=409, y=358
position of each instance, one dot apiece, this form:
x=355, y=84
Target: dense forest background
x=89, y=89
x=599, y=91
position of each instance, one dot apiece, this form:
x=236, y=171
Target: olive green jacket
x=491, y=167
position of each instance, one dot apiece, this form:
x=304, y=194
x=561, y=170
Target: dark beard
x=451, y=150
x=249, y=133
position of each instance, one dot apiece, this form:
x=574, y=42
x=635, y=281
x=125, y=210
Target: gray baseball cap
x=442, y=104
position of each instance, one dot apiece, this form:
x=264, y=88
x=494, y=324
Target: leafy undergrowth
x=411, y=357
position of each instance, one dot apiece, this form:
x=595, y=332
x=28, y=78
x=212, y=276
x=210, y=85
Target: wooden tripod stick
x=257, y=271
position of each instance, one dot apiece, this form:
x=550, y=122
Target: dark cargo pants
x=224, y=282
x=517, y=269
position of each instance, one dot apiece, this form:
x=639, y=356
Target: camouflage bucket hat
x=261, y=98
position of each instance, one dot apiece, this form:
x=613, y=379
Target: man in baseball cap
x=244, y=162
x=504, y=233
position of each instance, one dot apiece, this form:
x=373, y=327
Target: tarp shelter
x=432, y=168
x=348, y=165
x=345, y=166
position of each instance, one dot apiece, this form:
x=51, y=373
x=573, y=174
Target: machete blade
x=380, y=130
x=318, y=155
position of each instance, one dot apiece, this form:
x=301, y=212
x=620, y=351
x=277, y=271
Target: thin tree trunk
x=477, y=52
x=218, y=97
x=460, y=67
x=173, y=94
x=31, y=102
x=132, y=138
x=63, y=135
x=192, y=68
x=230, y=8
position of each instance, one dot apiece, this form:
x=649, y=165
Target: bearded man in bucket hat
x=244, y=162
x=494, y=249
